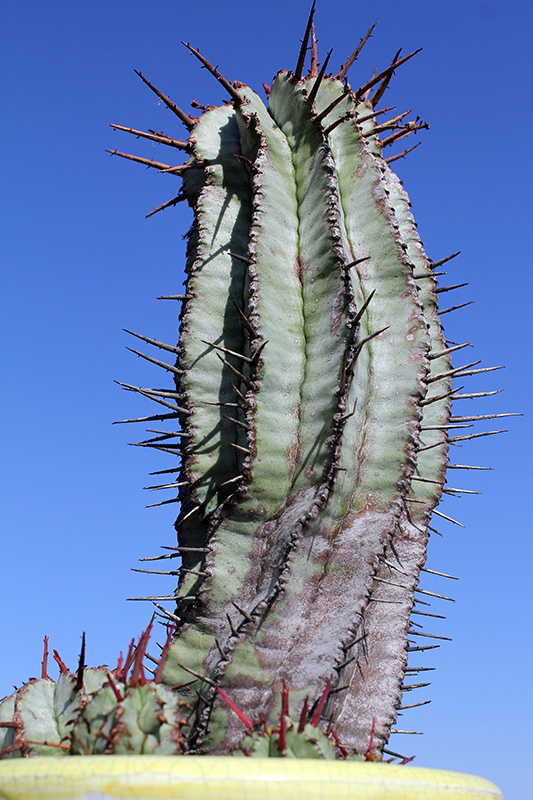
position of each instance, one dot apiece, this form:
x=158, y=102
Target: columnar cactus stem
x=314, y=387
x=312, y=399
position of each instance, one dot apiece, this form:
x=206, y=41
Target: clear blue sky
x=81, y=263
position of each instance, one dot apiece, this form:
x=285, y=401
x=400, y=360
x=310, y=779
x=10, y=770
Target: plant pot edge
x=230, y=778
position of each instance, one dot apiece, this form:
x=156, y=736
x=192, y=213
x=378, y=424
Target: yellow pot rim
x=227, y=778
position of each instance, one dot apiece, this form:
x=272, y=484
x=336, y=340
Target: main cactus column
x=313, y=392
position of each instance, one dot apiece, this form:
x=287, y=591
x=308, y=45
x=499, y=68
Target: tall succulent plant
x=311, y=410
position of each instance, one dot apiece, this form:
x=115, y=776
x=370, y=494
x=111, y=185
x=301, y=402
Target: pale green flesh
x=302, y=325
x=315, y=590
x=217, y=280
x=315, y=207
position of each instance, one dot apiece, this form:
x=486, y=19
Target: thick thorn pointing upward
x=377, y=78
x=303, y=49
x=185, y=118
x=214, y=71
x=348, y=63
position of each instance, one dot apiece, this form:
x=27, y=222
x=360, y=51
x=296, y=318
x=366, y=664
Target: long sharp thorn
x=179, y=197
x=167, y=613
x=323, y=114
x=389, y=124
x=380, y=91
x=298, y=72
x=431, y=446
x=404, y=131
x=454, y=308
x=174, y=297
x=451, y=372
x=440, y=574
x=445, y=516
x=155, y=361
x=428, y=400
x=337, y=122
x=390, y=583
x=478, y=371
x=240, y=257
x=240, y=395
x=154, y=137
x=474, y=395
x=466, y=466
x=357, y=261
x=185, y=118
x=449, y=350
x=442, y=427
x=164, y=439
x=225, y=350
x=427, y=614
x=413, y=705
x=232, y=628
x=434, y=594
x=373, y=115
x=214, y=71
x=377, y=78
x=150, y=396
x=44, y=662
x=245, y=319
x=314, y=91
x=203, y=678
x=473, y=436
x=370, y=337
x=419, y=276
x=220, y=650
x=314, y=54
x=154, y=417
x=160, y=558
x=259, y=350
x=237, y=422
x=435, y=264
x=363, y=307
x=232, y=480
x=483, y=416
x=393, y=566
x=402, y=155
x=442, y=289
x=187, y=515
x=156, y=392
x=429, y=635
x=156, y=571
x=81, y=665
x=239, y=447
x=453, y=491
x=354, y=56
x=181, y=434
x=154, y=342
x=148, y=162
x=247, y=382
x=165, y=502
x=162, y=661
x=193, y=572
x=174, y=597
x=243, y=612
x=421, y=669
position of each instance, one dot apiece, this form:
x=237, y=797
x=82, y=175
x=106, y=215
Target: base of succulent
x=227, y=778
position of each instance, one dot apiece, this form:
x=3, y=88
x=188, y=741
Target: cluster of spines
x=95, y=711
x=390, y=563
